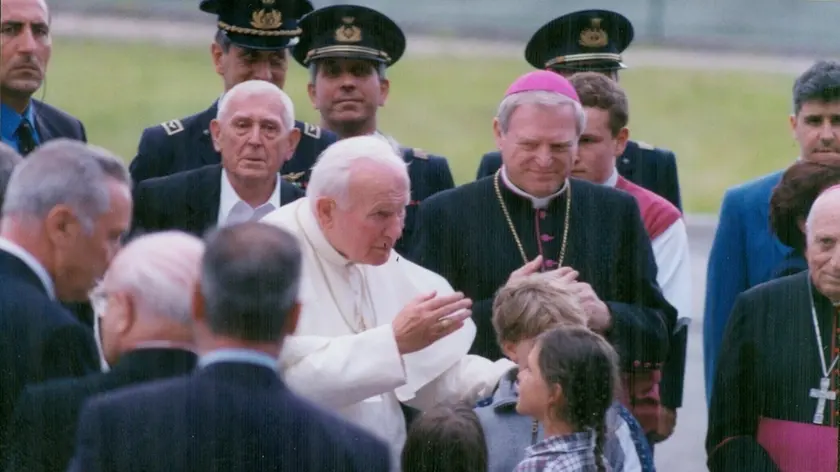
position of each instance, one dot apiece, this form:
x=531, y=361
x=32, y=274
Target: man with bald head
x=143, y=305
x=381, y=334
x=774, y=403
x=254, y=132
x=25, y=50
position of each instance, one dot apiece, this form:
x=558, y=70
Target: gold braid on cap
x=256, y=32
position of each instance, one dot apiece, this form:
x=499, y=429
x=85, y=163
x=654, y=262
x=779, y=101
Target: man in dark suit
x=234, y=413
x=348, y=49
x=592, y=40
x=251, y=44
x=246, y=186
x=144, y=307
x=58, y=236
x=26, y=48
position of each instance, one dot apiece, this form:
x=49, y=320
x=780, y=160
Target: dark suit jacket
x=652, y=168
x=187, y=201
x=607, y=245
x=43, y=429
x=429, y=175
x=230, y=416
x=39, y=339
x=179, y=145
x=53, y=123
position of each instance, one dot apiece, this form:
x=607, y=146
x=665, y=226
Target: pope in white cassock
x=376, y=330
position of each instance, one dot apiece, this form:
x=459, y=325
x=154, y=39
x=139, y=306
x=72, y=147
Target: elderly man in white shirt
x=255, y=133
x=376, y=330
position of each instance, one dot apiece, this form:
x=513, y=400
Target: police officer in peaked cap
x=251, y=43
x=348, y=49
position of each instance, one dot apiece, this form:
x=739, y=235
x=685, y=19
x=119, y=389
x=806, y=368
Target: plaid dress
x=568, y=453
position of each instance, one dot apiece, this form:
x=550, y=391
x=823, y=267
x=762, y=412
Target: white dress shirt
x=32, y=263
x=233, y=209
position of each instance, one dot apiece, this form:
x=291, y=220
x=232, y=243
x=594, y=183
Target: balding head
x=250, y=278
x=823, y=243
x=9, y=158
x=146, y=294
x=358, y=190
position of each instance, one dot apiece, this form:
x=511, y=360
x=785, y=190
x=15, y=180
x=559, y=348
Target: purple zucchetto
x=543, y=80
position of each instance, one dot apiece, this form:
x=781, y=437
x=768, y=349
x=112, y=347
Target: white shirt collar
x=31, y=262
x=537, y=202
x=613, y=179
x=233, y=209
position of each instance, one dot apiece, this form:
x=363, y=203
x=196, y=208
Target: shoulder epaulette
x=312, y=130
x=172, y=127
x=420, y=154
x=645, y=146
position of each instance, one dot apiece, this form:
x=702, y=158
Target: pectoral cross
x=822, y=395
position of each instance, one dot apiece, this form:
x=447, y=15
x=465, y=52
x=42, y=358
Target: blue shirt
x=247, y=356
x=10, y=121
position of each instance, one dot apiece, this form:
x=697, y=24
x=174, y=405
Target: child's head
x=571, y=377
x=446, y=438
x=529, y=306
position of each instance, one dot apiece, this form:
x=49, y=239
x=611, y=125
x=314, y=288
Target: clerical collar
x=612, y=180
x=315, y=234
x=538, y=202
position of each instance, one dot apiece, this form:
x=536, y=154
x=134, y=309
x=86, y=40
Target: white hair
x=540, y=98
x=250, y=88
x=332, y=172
x=830, y=199
x=64, y=172
x=161, y=271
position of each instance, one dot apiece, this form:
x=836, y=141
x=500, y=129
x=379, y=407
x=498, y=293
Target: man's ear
x=621, y=141
x=498, y=135
x=292, y=318
x=215, y=133
x=199, y=316
x=217, y=54
x=62, y=226
x=325, y=211
x=384, y=90
x=294, y=140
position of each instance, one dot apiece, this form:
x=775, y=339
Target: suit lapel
x=626, y=163
x=203, y=197
x=12, y=267
x=47, y=130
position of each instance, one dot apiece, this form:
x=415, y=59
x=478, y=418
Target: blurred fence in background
x=788, y=26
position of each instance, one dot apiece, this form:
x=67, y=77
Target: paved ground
x=684, y=452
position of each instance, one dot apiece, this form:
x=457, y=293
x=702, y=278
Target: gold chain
x=519, y=245
x=256, y=32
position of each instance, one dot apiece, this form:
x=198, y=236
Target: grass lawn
x=724, y=127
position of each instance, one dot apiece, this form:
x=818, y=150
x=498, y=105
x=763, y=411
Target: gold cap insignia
x=348, y=32
x=266, y=19
x=268, y=3
x=594, y=36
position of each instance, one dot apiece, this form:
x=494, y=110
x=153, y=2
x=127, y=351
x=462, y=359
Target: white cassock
x=344, y=356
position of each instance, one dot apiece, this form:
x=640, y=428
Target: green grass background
x=725, y=127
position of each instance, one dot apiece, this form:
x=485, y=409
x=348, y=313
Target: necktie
x=26, y=138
